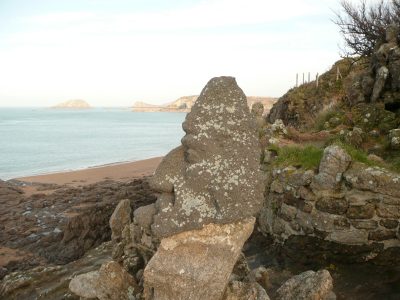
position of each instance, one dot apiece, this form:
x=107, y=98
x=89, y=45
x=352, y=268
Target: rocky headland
x=73, y=104
x=185, y=104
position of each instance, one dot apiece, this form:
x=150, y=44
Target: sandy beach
x=117, y=172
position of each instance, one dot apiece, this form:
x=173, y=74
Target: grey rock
x=355, y=137
x=214, y=176
x=366, y=211
x=373, y=179
x=332, y=205
x=389, y=224
x=306, y=286
x=388, y=211
x=394, y=137
x=257, y=110
x=84, y=285
x=382, y=234
x=120, y=218
x=334, y=163
x=349, y=237
x=115, y=283
x=111, y=282
x=144, y=215
x=365, y=224
x=239, y=290
x=196, y=264
x=380, y=81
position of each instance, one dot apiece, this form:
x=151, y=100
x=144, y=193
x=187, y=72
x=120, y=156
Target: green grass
x=394, y=163
x=307, y=158
x=356, y=154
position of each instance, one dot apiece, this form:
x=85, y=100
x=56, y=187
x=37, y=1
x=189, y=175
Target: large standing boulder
x=210, y=189
x=214, y=177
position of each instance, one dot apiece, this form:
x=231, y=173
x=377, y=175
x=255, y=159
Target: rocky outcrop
x=51, y=282
x=380, y=82
x=185, y=104
x=374, y=81
x=73, y=104
x=61, y=225
x=300, y=105
x=350, y=213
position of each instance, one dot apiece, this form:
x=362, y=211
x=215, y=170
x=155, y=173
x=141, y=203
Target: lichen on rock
x=214, y=176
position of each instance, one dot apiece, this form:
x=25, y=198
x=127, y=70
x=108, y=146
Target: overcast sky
x=113, y=53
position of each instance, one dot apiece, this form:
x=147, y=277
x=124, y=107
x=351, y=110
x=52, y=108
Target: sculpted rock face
x=196, y=264
x=214, y=176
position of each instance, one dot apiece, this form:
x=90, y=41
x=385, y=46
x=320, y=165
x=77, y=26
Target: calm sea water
x=41, y=140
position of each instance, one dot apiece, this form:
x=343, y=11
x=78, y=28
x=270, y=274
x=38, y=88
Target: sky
x=114, y=53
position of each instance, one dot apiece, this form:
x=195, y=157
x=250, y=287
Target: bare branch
x=363, y=25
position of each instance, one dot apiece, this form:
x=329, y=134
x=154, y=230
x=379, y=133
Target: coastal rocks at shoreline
x=60, y=226
x=51, y=282
x=185, y=104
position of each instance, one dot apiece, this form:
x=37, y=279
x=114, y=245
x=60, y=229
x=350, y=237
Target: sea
x=42, y=140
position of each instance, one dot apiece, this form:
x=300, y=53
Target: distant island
x=184, y=104
x=74, y=104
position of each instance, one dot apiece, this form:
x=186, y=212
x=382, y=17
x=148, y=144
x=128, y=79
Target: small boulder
x=355, y=137
x=111, y=282
x=84, y=285
x=394, y=137
x=120, y=218
x=334, y=163
x=115, y=283
x=308, y=285
x=239, y=290
x=144, y=215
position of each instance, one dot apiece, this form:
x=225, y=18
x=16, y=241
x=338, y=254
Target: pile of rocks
x=347, y=210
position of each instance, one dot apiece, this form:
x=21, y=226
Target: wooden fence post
x=338, y=74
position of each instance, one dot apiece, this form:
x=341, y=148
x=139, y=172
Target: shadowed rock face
x=214, y=176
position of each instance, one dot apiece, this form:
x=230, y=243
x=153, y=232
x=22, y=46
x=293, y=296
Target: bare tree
x=363, y=25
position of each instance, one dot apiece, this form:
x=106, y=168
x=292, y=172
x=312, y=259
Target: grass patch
x=394, y=163
x=356, y=154
x=307, y=158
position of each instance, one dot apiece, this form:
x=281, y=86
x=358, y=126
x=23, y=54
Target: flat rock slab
x=196, y=264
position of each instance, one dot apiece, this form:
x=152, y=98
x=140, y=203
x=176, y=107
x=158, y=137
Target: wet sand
x=118, y=172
